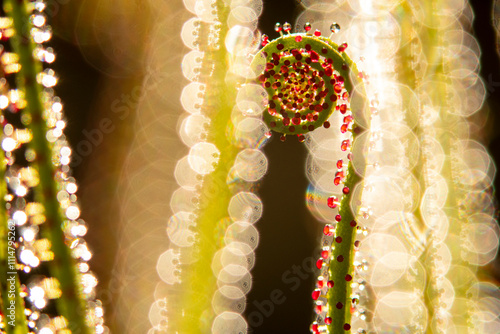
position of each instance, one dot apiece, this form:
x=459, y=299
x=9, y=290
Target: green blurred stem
x=407, y=76
x=199, y=284
x=71, y=304
x=432, y=38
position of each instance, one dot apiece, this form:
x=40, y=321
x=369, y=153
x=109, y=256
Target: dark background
x=286, y=237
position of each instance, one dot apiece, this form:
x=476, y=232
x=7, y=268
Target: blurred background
x=106, y=51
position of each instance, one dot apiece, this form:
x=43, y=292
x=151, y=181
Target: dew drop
x=191, y=64
x=315, y=294
x=237, y=253
x=287, y=27
x=228, y=298
x=193, y=129
x=185, y=176
x=237, y=275
x=192, y=97
x=9, y=144
x=166, y=266
x=229, y=322
x=245, y=206
x=335, y=27
x=342, y=47
x=324, y=254
x=251, y=99
x=328, y=230
x=251, y=132
x=242, y=232
x=239, y=40
x=250, y=165
x=332, y=202
x=340, y=164
x=203, y=158
x=20, y=218
x=189, y=32
x=73, y=212
x=178, y=229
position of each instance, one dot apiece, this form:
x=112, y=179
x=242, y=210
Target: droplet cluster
x=417, y=224
x=38, y=179
x=304, y=77
x=307, y=77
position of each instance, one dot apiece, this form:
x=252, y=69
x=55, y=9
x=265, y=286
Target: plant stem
x=341, y=272
x=70, y=304
x=199, y=283
x=341, y=261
